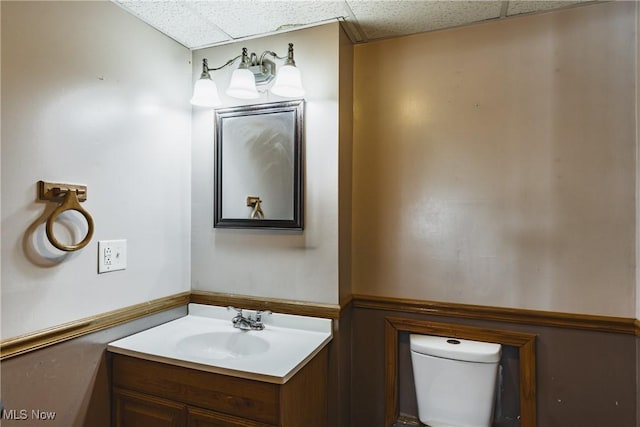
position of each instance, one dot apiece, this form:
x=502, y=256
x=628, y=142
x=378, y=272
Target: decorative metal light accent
x=253, y=72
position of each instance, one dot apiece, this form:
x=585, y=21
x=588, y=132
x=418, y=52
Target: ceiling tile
x=380, y=19
x=242, y=18
x=528, y=6
x=177, y=20
x=201, y=23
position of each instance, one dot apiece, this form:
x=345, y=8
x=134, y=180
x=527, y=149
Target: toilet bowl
x=455, y=380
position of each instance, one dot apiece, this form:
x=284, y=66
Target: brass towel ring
x=254, y=201
x=70, y=203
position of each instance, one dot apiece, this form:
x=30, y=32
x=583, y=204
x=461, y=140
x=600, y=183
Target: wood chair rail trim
x=39, y=339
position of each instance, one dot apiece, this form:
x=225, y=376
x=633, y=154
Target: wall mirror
x=259, y=159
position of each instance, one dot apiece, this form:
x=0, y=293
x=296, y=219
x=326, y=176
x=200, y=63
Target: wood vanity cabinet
x=153, y=394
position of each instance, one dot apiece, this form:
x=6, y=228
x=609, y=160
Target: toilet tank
x=455, y=380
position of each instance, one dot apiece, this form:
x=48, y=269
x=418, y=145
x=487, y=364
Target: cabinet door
x=132, y=409
x=202, y=418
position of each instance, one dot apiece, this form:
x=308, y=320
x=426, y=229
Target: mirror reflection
x=259, y=164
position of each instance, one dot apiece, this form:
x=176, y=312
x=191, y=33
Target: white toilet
x=455, y=380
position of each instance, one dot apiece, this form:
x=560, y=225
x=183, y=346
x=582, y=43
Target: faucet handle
x=238, y=310
x=259, y=314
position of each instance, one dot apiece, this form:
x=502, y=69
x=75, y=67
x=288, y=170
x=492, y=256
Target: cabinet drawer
x=254, y=400
x=132, y=409
x=202, y=418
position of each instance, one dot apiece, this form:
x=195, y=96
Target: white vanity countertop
x=206, y=340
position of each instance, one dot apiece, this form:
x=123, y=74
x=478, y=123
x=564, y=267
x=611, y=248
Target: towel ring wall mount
x=69, y=196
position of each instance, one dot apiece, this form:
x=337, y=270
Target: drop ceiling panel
x=249, y=18
x=529, y=6
x=177, y=20
x=380, y=19
x=200, y=23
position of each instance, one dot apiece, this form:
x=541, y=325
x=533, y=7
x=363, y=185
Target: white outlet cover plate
x=112, y=255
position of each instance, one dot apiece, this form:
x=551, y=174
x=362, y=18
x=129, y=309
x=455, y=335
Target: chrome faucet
x=248, y=320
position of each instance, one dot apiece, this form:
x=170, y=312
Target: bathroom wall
x=637, y=234
x=499, y=169
x=89, y=95
x=92, y=95
x=292, y=265
x=495, y=164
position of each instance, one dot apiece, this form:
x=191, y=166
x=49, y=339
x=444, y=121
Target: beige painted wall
x=91, y=95
x=345, y=169
x=495, y=164
x=277, y=264
x=637, y=181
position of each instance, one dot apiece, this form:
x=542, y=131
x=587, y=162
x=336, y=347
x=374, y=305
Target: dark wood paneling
x=583, y=377
x=523, y=341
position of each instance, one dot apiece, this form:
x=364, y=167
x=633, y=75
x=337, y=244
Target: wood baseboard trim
x=620, y=325
x=302, y=308
x=33, y=341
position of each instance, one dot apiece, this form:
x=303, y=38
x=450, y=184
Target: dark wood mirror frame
x=523, y=341
x=296, y=222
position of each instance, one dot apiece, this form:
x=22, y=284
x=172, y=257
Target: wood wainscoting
x=523, y=341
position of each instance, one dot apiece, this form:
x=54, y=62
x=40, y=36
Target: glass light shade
x=205, y=94
x=242, y=85
x=288, y=82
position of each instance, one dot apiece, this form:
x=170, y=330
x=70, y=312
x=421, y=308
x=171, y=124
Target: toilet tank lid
x=455, y=348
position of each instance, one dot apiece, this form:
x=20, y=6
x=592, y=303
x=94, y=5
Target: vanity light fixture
x=252, y=72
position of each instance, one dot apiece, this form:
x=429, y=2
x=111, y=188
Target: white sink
x=223, y=345
x=205, y=339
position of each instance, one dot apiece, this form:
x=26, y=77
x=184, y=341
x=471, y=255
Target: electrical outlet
x=112, y=255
